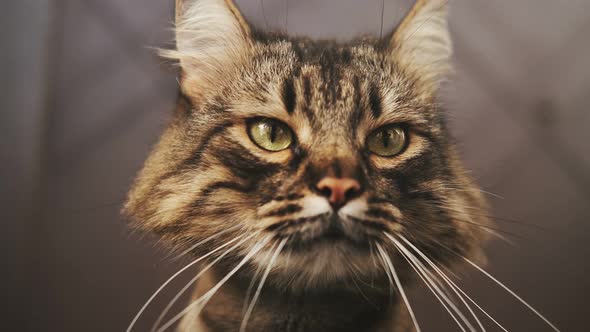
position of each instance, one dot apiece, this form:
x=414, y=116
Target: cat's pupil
x=273, y=133
x=385, y=137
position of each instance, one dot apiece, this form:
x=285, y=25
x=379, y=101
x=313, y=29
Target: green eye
x=270, y=134
x=387, y=141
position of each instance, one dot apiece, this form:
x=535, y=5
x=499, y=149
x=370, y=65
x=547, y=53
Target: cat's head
x=328, y=151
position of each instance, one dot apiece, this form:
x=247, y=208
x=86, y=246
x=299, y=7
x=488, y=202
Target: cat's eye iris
x=269, y=134
x=387, y=141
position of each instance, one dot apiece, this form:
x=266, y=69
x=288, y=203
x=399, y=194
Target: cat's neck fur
x=335, y=310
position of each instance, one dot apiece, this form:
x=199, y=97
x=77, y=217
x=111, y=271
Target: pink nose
x=338, y=190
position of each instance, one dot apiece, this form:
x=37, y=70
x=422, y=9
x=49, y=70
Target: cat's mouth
x=330, y=231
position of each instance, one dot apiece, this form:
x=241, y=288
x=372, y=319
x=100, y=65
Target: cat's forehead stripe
x=375, y=100
x=288, y=95
x=346, y=80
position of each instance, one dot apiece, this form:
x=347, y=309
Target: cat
x=318, y=177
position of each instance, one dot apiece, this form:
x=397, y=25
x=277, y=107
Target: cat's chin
x=326, y=261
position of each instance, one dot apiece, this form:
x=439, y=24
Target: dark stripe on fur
x=358, y=97
x=290, y=197
x=288, y=95
x=307, y=97
x=337, y=168
x=196, y=156
x=195, y=209
x=375, y=100
x=176, y=227
x=299, y=155
x=370, y=223
x=378, y=200
x=235, y=186
x=242, y=163
x=286, y=223
x=379, y=213
x=283, y=211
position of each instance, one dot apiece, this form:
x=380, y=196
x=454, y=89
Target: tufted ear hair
x=421, y=43
x=211, y=37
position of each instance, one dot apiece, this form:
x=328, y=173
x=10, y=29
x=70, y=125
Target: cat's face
x=327, y=150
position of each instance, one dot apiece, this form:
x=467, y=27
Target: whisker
x=490, y=193
x=419, y=273
x=437, y=281
x=480, y=308
x=398, y=283
x=444, y=277
x=471, y=211
x=503, y=238
x=287, y=16
x=253, y=282
x=388, y=273
x=130, y=327
x=420, y=270
x=194, y=279
x=382, y=14
x=262, y=280
x=490, y=229
x=477, y=305
x=202, y=301
x=454, y=207
x=506, y=289
x=193, y=247
x=355, y=278
x=452, y=188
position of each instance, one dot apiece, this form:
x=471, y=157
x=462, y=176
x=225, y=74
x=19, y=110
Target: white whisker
x=509, y=291
x=388, y=273
x=202, y=301
x=195, y=278
x=432, y=286
x=446, y=302
x=253, y=282
x=399, y=285
x=130, y=327
x=193, y=247
x=262, y=280
x=501, y=237
x=445, y=278
x=490, y=193
x=451, y=188
x=479, y=307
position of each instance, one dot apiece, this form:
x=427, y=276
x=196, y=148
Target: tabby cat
x=316, y=178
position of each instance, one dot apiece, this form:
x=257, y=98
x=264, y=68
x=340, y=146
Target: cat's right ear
x=422, y=42
x=212, y=37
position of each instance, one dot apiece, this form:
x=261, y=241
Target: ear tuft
x=211, y=35
x=422, y=42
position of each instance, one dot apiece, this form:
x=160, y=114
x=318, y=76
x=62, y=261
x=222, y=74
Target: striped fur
x=206, y=176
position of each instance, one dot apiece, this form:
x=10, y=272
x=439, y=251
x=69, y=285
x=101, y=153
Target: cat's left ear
x=212, y=38
x=421, y=43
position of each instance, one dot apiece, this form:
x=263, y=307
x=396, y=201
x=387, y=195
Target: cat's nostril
x=351, y=193
x=338, y=190
x=325, y=191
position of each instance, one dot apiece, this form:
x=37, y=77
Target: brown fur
x=206, y=176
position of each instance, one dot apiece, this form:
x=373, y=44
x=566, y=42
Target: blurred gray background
x=83, y=98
